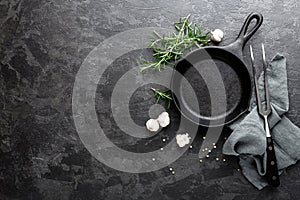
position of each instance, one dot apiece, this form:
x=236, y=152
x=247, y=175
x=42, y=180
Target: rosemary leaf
x=163, y=95
x=168, y=49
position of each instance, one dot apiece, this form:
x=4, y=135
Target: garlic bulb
x=217, y=35
x=163, y=119
x=183, y=139
x=152, y=125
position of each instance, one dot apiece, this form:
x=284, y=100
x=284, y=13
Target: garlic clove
x=163, y=119
x=183, y=139
x=217, y=35
x=152, y=125
x=216, y=38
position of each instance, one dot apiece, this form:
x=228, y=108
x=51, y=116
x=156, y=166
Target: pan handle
x=246, y=34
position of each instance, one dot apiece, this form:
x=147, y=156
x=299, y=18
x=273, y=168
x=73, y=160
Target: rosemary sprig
x=163, y=95
x=167, y=49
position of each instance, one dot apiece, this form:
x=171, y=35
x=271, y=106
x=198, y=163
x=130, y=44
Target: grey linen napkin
x=248, y=140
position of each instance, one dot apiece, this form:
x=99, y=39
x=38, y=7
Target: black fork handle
x=272, y=175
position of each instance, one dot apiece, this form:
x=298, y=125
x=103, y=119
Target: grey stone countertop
x=43, y=43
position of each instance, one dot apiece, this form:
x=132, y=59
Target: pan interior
x=217, y=86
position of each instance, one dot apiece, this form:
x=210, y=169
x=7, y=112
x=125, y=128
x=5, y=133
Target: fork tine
x=263, y=53
x=266, y=87
x=258, y=101
x=251, y=54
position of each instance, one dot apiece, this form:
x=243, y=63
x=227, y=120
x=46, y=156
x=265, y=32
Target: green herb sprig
x=167, y=49
x=163, y=95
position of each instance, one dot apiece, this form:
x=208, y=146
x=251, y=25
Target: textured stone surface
x=42, y=45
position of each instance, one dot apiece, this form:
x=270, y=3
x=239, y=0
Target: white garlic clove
x=183, y=139
x=216, y=38
x=163, y=119
x=152, y=125
x=217, y=35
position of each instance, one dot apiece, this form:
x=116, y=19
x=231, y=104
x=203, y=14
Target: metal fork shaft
x=267, y=128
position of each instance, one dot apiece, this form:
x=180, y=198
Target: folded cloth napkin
x=248, y=139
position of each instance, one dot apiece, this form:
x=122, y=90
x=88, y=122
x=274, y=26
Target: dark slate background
x=42, y=45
